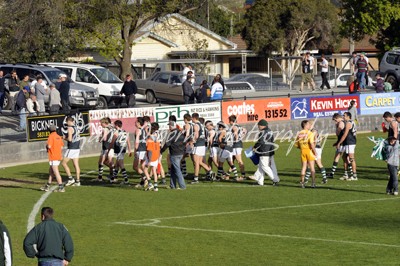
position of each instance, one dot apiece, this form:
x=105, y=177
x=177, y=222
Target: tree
x=34, y=31
x=112, y=25
x=367, y=17
x=287, y=27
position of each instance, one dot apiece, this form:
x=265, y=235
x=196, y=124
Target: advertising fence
x=246, y=111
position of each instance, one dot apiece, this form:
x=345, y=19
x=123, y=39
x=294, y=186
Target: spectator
x=49, y=241
x=380, y=84
x=306, y=77
x=129, y=89
x=362, y=69
x=324, y=73
x=20, y=107
x=175, y=142
x=2, y=90
x=187, y=88
x=203, y=93
x=40, y=89
x=5, y=246
x=32, y=105
x=186, y=70
x=217, y=90
x=25, y=82
x=54, y=100
x=64, y=93
x=13, y=81
x=219, y=79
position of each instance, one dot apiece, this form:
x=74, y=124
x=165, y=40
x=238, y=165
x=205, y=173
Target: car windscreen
x=105, y=75
x=53, y=74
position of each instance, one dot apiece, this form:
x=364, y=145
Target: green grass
x=221, y=223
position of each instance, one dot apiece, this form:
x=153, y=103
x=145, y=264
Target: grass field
x=220, y=223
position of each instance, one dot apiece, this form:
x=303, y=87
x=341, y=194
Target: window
x=392, y=58
x=162, y=78
x=175, y=79
x=105, y=75
x=84, y=75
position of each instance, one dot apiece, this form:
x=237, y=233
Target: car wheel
x=150, y=97
x=102, y=103
x=7, y=102
x=393, y=81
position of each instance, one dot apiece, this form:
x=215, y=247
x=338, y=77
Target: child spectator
x=33, y=105
x=54, y=147
x=392, y=159
x=380, y=84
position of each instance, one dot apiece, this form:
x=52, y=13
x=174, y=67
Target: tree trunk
x=125, y=62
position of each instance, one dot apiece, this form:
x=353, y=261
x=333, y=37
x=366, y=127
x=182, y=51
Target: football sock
x=234, y=171
x=308, y=174
x=323, y=173
x=334, y=166
x=124, y=174
x=220, y=172
x=101, y=168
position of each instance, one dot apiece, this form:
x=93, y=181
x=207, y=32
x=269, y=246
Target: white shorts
x=350, y=149
x=141, y=155
x=224, y=155
x=154, y=163
x=54, y=163
x=214, y=152
x=237, y=151
x=199, y=151
x=319, y=153
x=72, y=153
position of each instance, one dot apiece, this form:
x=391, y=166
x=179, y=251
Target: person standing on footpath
x=187, y=88
x=129, y=89
x=362, y=69
x=324, y=73
x=21, y=108
x=2, y=91
x=54, y=100
x=54, y=246
x=5, y=246
x=64, y=93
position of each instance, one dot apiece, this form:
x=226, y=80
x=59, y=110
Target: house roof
x=156, y=37
x=362, y=46
x=150, y=25
x=241, y=44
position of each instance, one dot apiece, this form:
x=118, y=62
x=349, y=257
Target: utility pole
x=208, y=14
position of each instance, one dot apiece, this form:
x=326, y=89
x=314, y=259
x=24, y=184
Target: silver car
x=390, y=67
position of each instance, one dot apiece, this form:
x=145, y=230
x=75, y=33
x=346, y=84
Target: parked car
x=390, y=67
x=259, y=81
x=80, y=96
x=167, y=86
x=107, y=83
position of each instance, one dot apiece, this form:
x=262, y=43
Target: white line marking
x=256, y=210
x=88, y=173
x=271, y=235
x=36, y=207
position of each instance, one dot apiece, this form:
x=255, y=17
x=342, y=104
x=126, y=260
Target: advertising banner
x=252, y=111
x=38, y=126
x=378, y=103
x=209, y=111
x=126, y=115
x=321, y=106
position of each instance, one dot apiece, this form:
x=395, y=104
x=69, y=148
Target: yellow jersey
x=304, y=140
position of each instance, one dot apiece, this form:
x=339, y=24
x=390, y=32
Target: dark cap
x=263, y=123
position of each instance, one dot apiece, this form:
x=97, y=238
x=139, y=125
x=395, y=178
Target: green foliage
x=34, y=31
x=367, y=17
x=289, y=26
x=389, y=37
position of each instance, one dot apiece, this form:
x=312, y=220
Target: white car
x=97, y=77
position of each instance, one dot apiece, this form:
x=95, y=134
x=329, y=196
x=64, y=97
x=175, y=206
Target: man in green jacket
x=53, y=242
x=5, y=246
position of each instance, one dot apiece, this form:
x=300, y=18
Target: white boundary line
x=156, y=221
x=139, y=222
x=36, y=207
x=38, y=204
x=271, y=235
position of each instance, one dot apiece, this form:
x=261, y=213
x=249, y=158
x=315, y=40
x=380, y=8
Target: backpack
x=353, y=88
x=387, y=86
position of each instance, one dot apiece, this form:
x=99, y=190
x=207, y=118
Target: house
x=175, y=36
